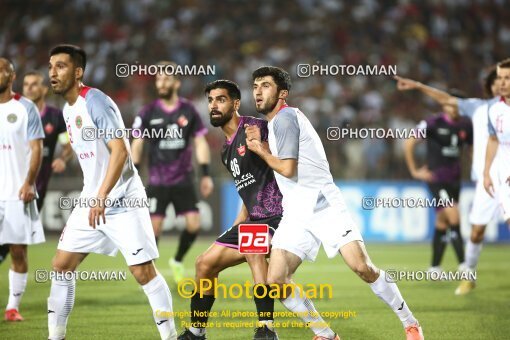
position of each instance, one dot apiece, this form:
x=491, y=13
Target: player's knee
x=204, y=267
x=276, y=279
x=477, y=235
x=18, y=254
x=366, y=271
x=60, y=266
x=143, y=273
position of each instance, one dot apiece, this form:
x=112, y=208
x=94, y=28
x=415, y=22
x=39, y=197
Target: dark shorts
x=230, y=238
x=183, y=198
x=445, y=191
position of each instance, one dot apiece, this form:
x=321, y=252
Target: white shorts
x=20, y=223
x=332, y=226
x=130, y=231
x=484, y=207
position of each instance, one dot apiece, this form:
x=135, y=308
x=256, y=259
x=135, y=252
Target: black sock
x=438, y=246
x=4, y=250
x=200, y=309
x=157, y=240
x=457, y=243
x=185, y=242
x=264, y=303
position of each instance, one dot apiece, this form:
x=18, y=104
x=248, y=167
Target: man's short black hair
x=231, y=87
x=34, y=73
x=77, y=54
x=280, y=76
x=490, y=77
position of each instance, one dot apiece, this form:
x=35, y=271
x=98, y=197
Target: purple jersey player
x=446, y=134
x=171, y=126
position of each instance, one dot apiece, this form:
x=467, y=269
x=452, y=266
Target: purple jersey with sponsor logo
x=253, y=178
x=170, y=140
x=53, y=124
x=445, y=138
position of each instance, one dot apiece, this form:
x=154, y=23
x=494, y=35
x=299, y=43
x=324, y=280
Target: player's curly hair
x=280, y=76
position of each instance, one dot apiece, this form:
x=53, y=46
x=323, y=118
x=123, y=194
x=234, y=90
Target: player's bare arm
x=203, y=155
x=492, y=148
x=241, y=216
x=118, y=157
x=59, y=164
x=423, y=173
x=27, y=190
x=285, y=167
x=442, y=97
x=137, y=150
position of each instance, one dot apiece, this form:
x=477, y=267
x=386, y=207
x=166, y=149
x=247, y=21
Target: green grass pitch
x=120, y=310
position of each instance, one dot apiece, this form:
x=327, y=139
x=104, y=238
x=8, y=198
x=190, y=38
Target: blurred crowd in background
x=445, y=43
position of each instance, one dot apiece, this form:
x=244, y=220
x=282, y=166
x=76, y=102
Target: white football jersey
x=95, y=110
x=291, y=135
x=19, y=124
x=499, y=126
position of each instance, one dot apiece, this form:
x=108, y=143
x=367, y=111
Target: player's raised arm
x=442, y=97
x=203, y=155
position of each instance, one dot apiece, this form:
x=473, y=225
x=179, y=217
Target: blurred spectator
x=447, y=41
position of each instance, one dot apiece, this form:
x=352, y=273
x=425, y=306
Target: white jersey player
x=21, y=136
x=484, y=207
x=498, y=183
x=314, y=211
x=108, y=174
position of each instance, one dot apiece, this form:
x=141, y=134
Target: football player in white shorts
x=314, y=211
x=109, y=176
x=484, y=207
x=21, y=135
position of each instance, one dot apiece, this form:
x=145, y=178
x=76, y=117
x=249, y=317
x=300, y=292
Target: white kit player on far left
x=21, y=135
x=108, y=173
x=498, y=185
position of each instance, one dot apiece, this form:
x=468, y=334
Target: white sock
x=389, y=293
x=17, y=285
x=160, y=299
x=305, y=309
x=60, y=305
x=473, y=251
x=197, y=331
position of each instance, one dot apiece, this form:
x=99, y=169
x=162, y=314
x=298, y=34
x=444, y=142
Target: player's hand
x=206, y=186
x=26, y=193
x=423, y=174
x=488, y=185
x=252, y=132
x=255, y=145
x=58, y=165
x=404, y=84
x=96, y=214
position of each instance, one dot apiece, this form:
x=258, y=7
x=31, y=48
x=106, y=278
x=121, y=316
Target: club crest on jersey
x=462, y=134
x=12, y=118
x=182, y=121
x=241, y=150
x=48, y=128
x=79, y=122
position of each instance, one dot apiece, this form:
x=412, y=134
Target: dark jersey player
x=446, y=134
x=262, y=204
x=53, y=125
x=173, y=126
